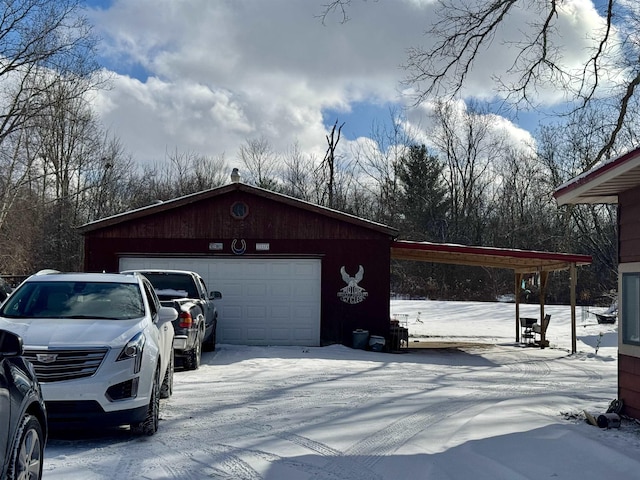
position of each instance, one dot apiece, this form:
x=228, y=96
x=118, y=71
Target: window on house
x=631, y=308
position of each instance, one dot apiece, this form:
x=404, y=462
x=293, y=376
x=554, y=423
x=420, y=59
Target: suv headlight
x=133, y=350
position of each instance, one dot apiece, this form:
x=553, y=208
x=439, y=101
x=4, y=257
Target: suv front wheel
x=166, y=390
x=149, y=425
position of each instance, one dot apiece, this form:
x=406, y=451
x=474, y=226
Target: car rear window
x=42, y=299
x=172, y=281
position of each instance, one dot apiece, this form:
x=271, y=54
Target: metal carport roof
x=520, y=261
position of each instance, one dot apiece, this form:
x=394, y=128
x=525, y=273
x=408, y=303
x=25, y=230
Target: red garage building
x=291, y=272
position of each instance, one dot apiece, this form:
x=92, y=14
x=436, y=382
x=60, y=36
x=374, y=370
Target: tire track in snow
x=358, y=461
x=238, y=469
x=134, y=466
x=231, y=469
x=338, y=464
x=390, y=438
x=222, y=461
x=523, y=372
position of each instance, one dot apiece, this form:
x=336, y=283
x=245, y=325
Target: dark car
x=195, y=327
x=23, y=421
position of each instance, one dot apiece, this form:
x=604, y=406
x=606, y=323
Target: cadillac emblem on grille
x=47, y=357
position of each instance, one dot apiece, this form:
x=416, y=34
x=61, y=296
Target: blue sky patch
x=363, y=119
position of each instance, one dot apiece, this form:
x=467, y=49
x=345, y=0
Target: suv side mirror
x=215, y=295
x=10, y=344
x=167, y=314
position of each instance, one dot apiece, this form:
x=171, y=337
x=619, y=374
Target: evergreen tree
x=423, y=196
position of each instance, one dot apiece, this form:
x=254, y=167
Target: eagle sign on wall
x=352, y=293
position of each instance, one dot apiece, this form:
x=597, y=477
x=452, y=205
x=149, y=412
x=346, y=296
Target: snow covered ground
x=493, y=411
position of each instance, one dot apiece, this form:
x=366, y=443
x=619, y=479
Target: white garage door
x=265, y=301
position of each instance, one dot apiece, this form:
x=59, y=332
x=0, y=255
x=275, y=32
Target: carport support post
x=544, y=275
x=573, y=282
x=516, y=292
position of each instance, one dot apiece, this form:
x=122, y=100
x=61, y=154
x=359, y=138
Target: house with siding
x=618, y=182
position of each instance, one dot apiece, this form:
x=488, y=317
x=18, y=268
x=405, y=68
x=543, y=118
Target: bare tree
x=462, y=31
x=189, y=172
x=378, y=161
x=334, y=179
x=329, y=162
x=104, y=191
x=39, y=36
x=68, y=137
x=47, y=60
x=298, y=173
x=523, y=210
x=180, y=174
x=339, y=7
x=261, y=162
x=470, y=150
x=565, y=150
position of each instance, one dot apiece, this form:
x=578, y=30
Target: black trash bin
x=360, y=339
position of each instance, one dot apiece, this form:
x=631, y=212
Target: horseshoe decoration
x=238, y=250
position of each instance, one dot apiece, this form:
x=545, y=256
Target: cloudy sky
x=205, y=76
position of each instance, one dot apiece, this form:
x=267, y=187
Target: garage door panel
x=257, y=335
x=232, y=290
x=304, y=290
x=230, y=312
x=280, y=313
x=302, y=334
x=257, y=291
x=258, y=271
x=280, y=289
x=303, y=269
x=303, y=313
x=280, y=334
x=226, y=271
x=233, y=335
x=265, y=301
x=256, y=312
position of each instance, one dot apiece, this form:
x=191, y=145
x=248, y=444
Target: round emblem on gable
x=239, y=210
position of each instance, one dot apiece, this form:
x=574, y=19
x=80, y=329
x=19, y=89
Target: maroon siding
x=603, y=185
x=629, y=226
x=211, y=218
x=629, y=384
x=629, y=251
x=189, y=229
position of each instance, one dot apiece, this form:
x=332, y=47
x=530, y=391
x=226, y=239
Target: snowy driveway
x=279, y=413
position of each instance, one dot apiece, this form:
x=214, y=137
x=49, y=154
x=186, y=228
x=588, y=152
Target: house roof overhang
x=521, y=261
x=602, y=184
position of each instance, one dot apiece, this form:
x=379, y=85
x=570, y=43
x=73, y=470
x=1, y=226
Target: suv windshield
x=47, y=299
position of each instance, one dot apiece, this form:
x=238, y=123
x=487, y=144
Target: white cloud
x=422, y=122
x=212, y=74
x=573, y=38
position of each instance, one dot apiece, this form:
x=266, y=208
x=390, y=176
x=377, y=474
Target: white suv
x=101, y=345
